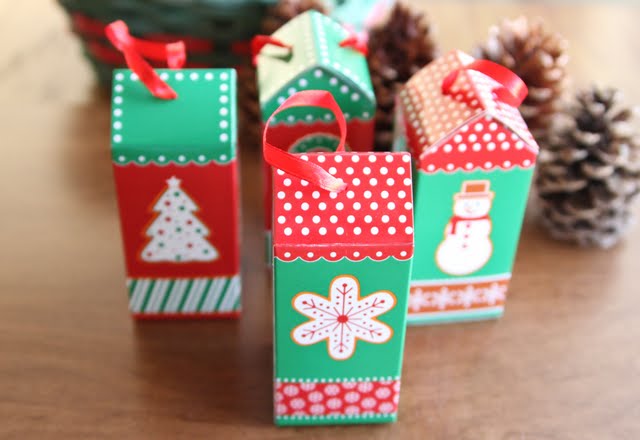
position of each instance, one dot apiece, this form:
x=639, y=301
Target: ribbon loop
x=260, y=41
x=512, y=89
x=290, y=163
x=357, y=43
x=135, y=50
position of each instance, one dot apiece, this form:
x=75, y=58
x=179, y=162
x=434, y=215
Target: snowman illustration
x=467, y=245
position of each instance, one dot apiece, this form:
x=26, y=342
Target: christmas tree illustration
x=177, y=235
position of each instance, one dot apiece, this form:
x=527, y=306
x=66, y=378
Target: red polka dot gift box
x=474, y=158
x=342, y=253
x=173, y=144
x=314, y=52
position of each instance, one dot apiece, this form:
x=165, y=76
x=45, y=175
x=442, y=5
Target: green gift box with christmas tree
x=314, y=52
x=343, y=246
x=474, y=158
x=175, y=169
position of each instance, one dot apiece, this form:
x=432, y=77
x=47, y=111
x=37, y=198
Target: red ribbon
x=292, y=164
x=135, y=49
x=357, y=43
x=512, y=90
x=89, y=27
x=260, y=41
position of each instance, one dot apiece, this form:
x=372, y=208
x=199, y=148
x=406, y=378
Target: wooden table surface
x=564, y=363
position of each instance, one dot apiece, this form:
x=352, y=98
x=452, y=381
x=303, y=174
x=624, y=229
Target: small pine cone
x=285, y=10
x=397, y=50
x=250, y=130
x=589, y=173
x=537, y=56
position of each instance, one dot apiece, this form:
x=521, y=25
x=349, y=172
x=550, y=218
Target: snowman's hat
x=475, y=188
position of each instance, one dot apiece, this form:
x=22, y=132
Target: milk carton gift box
x=315, y=52
x=342, y=246
x=175, y=169
x=474, y=158
x=311, y=52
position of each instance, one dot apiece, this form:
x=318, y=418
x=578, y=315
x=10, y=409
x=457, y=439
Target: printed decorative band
x=337, y=400
x=184, y=296
x=457, y=295
x=336, y=253
x=167, y=156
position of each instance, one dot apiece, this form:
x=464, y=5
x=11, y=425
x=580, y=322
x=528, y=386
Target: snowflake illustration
x=468, y=296
x=442, y=298
x=494, y=293
x=343, y=318
x=418, y=299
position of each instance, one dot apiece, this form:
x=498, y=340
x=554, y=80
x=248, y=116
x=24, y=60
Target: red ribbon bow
x=292, y=164
x=357, y=42
x=260, y=41
x=512, y=89
x=135, y=50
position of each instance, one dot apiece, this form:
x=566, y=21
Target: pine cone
x=590, y=171
x=397, y=50
x=285, y=10
x=538, y=57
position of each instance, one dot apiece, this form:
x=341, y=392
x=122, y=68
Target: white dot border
x=226, y=89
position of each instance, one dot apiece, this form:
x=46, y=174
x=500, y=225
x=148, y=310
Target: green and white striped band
x=184, y=295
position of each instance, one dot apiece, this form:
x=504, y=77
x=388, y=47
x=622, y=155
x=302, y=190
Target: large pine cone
x=397, y=49
x=537, y=56
x=590, y=171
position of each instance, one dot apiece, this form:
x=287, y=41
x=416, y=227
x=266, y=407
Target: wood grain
x=564, y=363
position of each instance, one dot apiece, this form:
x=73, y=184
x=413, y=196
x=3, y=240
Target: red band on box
x=134, y=50
x=88, y=27
x=107, y=54
x=336, y=398
x=295, y=166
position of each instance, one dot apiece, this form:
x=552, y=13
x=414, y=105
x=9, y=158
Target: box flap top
x=480, y=143
x=372, y=217
x=198, y=126
x=433, y=116
x=315, y=61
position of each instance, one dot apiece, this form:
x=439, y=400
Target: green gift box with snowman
x=474, y=158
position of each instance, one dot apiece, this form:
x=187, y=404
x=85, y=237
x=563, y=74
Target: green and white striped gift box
x=184, y=297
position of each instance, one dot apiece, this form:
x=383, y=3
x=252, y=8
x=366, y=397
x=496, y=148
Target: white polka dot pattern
x=436, y=123
x=367, y=398
x=129, y=103
x=509, y=115
x=375, y=209
x=482, y=143
x=429, y=114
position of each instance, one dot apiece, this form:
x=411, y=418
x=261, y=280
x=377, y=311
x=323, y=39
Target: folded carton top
x=316, y=61
x=372, y=217
x=198, y=126
x=467, y=128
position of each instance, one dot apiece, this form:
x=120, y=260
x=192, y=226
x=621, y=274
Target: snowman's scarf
x=456, y=219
